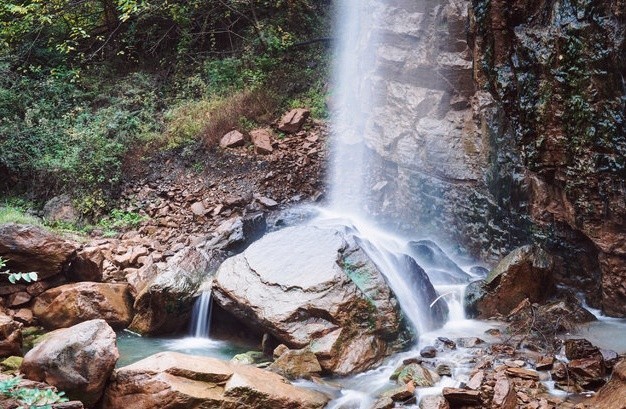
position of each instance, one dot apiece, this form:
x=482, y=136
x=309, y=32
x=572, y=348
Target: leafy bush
x=63, y=137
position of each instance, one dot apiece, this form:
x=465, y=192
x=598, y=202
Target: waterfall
x=201, y=316
x=353, y=102
x=360, y=27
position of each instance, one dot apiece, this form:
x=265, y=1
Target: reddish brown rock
x=293, y=120
x=24, y=315
x=198, y=209
x=523, y=373
x=87, y=265
x=232, y=139
x=171, y=380
x=613, y=394
x=457, y=397
x=17, y=299
x=31, y=248
x=504, y=396
x=578, y=348
x=10, y=336
x=527, y=272
x=64, y=306
x=262, y=140
x=77, y=360
x=294, y=364
x=588, y=372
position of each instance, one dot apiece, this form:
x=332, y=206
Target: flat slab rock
x=171, y=380
x=310, y=286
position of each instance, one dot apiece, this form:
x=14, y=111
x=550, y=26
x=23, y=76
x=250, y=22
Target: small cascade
x=201, y=316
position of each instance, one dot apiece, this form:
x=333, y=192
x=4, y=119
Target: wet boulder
x=70, y=304
x=310, y=286
x=30, y=248
x=171, y=380
x=165, y=292
x=77, y=360
x=527, y=272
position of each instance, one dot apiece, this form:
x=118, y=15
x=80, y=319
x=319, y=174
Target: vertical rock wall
x=502, y=123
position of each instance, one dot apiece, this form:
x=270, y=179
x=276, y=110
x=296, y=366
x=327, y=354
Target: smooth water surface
x=134, y=347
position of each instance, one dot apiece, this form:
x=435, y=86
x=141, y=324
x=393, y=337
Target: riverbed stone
x=312, y=286
x=77, y=360
x=170, y=380
x=70, y=304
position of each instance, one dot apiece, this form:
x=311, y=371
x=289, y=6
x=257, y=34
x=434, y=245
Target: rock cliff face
x=503, y=123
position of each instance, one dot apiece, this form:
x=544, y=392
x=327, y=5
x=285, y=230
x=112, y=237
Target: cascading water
x=355, y=102
x=201, y=316
x=351, y=186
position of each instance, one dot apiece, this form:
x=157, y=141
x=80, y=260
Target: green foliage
x=314, y=99
x=86, y=87
x=12, y=214
x=74, y=136
x=30, y=398
x=120, y=220
x=15, y=277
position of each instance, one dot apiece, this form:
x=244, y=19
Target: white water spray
x=201, y=316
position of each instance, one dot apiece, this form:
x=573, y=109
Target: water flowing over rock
x=311, y=286
x=77, y=360
x=436, y=262
x=31, y=248
x=70, y=304
x=165, y=292
x=171, y=380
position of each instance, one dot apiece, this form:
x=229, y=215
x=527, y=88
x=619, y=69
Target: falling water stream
x=350, y=185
